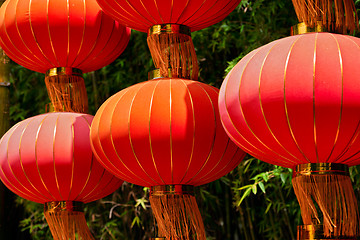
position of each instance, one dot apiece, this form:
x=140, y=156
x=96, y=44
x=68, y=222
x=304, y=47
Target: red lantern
x=48, y=159
x=48, y=34
x=166, y=134
x=296, y=101
x=169, y=24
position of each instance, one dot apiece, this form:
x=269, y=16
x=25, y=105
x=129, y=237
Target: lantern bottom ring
x=315, y=232
x=63, y=71
x=169, y=28
x=321, y=169
x=171, y=190
x=59, y=206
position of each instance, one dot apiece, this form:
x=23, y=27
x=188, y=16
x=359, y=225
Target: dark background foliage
x=255, y=201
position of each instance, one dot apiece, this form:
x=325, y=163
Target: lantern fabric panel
x=294, y=100
x=41, y=35
x=141, y=15
x=48, y=158
x=164, y=132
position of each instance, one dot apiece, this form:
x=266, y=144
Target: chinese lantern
x=169, y=25
x=166, y=134
x=48, y=159
x=295, y=103
x=62, y=39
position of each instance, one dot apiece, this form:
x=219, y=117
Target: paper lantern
x=48, y=159
x=169, y=24
x=166, y=134
x=295, y=103
x=62, y=39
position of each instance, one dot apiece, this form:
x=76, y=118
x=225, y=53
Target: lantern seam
x=285, y=103
x=194, y=128
x=314, y=109
x=20, y=159
x=214, y=135
x=54, y=164
x=262, y=110
x=48, y=27
x=33, y=33
x=112, y=140
x=72, y=159
x=150, y=142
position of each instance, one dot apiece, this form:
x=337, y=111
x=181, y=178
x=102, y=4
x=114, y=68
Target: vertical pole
x=4, y=126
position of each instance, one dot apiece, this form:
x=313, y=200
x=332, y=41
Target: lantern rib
x=246, y=122
x=186, y=5
x=314, y=109
x=95, y=43
x=214, y=134
x=48, y=27
x=112, y=140
x=33, y=33
x=24, y=42
x=21, y=163
x=68, y=32
x=220, y=159
x=72, y=159
x=342, y=98
x=54, y=138
x=194, y=128
x=9, y=39
x=285, y=102
x=101, y=191
x=150, y=142
x=107, y=158
x=84, y=198
x=119, y=16
x=29, y=194
x=36, y=158
x=171, y=140
x=142, y=3
x=189, y=17
x=232, y=123
x=83, y=35
x=139, y=14
x=157, y=8
x=262, y=109
x=356, y=133
x=91, y=166
x=171, y=11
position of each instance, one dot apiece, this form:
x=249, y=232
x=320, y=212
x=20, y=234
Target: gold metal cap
x=58, y=206
x=320, y=169
x=156, y=73
x=315, y=232
x=158, y=238
x=171, y=190
x=302, y=28
x=169, y=28
x=63, y=71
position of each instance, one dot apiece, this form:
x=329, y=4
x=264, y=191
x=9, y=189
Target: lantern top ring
x=156, y=74
x=321, y=169
x=169, y=28
x=63, y=71
x=59, y=206
x=302, y=28
x=171, y=190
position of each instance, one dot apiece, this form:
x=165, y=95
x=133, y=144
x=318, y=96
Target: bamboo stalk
x=4, y=126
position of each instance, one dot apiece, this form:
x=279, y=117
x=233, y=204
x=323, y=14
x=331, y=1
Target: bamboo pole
x=4, y=126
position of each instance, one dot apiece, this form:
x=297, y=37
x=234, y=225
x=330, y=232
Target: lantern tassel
x=173, y=51
x=337, y=15
x=326, y=197
x=176, y=213
x=66, y=90
x=66, y=221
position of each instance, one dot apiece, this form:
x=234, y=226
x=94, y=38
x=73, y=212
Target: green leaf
x=262, y=186
x=254, y=189
x=246, y=193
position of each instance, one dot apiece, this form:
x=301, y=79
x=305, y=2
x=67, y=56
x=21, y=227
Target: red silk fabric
x=48, y=158
x=141, y=14
x=296, y=100
x=44, y=34
x=161, y=132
